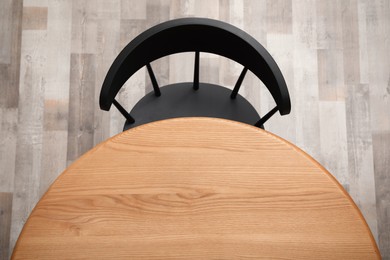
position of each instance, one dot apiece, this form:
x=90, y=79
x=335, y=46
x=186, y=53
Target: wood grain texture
x=6, y=31
x=323, y=47
x=10, y=35
x=378, y=48
x=381, y=154
x=363, y=43
x=307, y=121
x=29, y=129
x=334, y=140
x=54, y=142
x=56, y=95
x=8, y=137
x=133, y=9
x=304, y=27
x=360, y=155
x=331, y=75
x=279, y=16
x=329, y=28
x=81, y=105
x=196, y=188
x=59, y=28
x=350, y=27
x=5, y=223
x=84, y=27
x=34, y=18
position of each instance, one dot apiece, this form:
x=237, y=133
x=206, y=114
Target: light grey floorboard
x=350, y=28
x=8, y=137
x=279, y=16
x=378, y=55
x=81, y=105
x=381, y=144
x=10, y=42
x=5, y=31
x=30, y=129
x=5, y=223
x=331, y=75
x=360, y=153
x=329, y=28
x=333, y=139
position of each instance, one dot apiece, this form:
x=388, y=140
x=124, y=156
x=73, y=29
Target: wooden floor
x=54, y=54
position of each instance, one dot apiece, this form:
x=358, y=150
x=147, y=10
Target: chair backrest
x=197, y=35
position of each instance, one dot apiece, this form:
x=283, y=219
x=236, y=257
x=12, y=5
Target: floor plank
x=304, y=26
x=5, y=223
x=10, y=42
x=56, y=98
x=8, y=137
x=34, y=18
x=279, y=16
x=333, y=139
x=5, y=31
x=360, y=153
x=381, y=144
x=133, y=9
x=378, y=55
x=29, y=130
x=329, y=24
x=84, y=27
x=331, y=75
x=306, y=103
x=350, y=29
x=81, y=105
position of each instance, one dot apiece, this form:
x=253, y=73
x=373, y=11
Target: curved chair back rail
x=198, y=35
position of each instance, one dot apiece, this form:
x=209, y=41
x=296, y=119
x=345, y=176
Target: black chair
x=194, y=98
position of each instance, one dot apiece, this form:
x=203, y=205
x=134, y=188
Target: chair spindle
x=123, y=112
x=266, y=117
x=154, y=81
x=238, y=83
x=196, y=71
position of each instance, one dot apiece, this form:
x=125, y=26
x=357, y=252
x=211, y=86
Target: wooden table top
x=196, y=188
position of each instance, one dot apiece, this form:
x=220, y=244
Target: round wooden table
x=196, y=188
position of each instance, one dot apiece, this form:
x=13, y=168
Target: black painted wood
x=199, y=35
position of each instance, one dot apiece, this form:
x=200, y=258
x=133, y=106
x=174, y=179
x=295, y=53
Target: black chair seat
x=181, y=100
